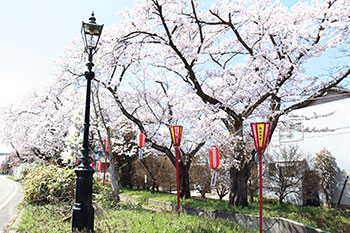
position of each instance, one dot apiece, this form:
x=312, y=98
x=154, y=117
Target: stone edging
x=16, y=221
x=270, y=224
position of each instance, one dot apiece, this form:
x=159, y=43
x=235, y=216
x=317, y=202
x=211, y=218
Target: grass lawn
x=122, y=218
x=329, y=219
x=126, y=217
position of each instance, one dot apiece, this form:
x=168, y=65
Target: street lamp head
x=91, y=33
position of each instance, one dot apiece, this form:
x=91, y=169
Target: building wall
x=326, y=125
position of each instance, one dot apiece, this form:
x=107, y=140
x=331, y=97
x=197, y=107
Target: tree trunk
x=114, y=179
x=250, y=191
x=112, y=169
x=16, y=151
x=239, y=175
x=251, y=197
x=184, y=178
x=112, y=163
x=153, y=188
x=238, y=186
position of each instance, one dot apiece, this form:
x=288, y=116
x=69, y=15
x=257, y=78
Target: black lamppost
x=82, y=211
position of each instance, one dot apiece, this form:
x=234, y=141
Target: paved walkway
x=136, y=202
x=10, y=197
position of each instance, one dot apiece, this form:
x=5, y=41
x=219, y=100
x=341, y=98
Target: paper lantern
x=106, y=146
x=98, y=166
x=260, y=134
x=176, y=132
x=214, y=157
x=141, y=140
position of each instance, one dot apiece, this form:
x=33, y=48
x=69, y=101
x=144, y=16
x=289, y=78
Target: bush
x=52, y=184
x=21, y=171
x=103, y=195
x=49, y=184
x=326, y=166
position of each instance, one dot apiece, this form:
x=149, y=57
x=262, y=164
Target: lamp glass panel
x=91, y=41
x=92, y=29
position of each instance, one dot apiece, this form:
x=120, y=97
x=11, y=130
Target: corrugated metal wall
x=327, y=126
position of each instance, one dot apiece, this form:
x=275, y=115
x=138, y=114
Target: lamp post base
x=82, y=211
x=83, y=219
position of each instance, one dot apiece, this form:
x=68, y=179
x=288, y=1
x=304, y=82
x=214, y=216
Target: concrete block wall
x=270, y=224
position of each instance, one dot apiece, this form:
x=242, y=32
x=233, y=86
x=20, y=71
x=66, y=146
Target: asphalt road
x=10, y=197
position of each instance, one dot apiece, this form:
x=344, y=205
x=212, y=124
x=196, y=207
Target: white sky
x=34, y=32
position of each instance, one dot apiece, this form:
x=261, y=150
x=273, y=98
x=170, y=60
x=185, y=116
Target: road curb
x=15, y=221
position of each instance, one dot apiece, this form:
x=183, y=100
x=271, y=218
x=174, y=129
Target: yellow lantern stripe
x=180, y=133
x=172, y=134
x=261, y=129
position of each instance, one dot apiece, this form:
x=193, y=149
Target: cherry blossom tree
x=102, y=126
x=211, y=70
x=37, y=125
x=216, y=70
x=151, y=108
x=243, y=60
x=150, y=103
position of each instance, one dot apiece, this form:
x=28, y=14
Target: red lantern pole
x=104, y=172
x=260, y=184
x=260, y=135
x=105, y=165
x=175, y=133
x=177, y=180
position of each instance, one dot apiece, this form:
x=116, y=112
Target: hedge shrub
x=21, y=171
x=53, y=184
x=49, y=184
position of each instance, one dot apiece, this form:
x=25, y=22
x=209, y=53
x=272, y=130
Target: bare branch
x=319, y=93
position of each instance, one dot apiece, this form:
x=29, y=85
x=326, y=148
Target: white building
x=325, y=123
